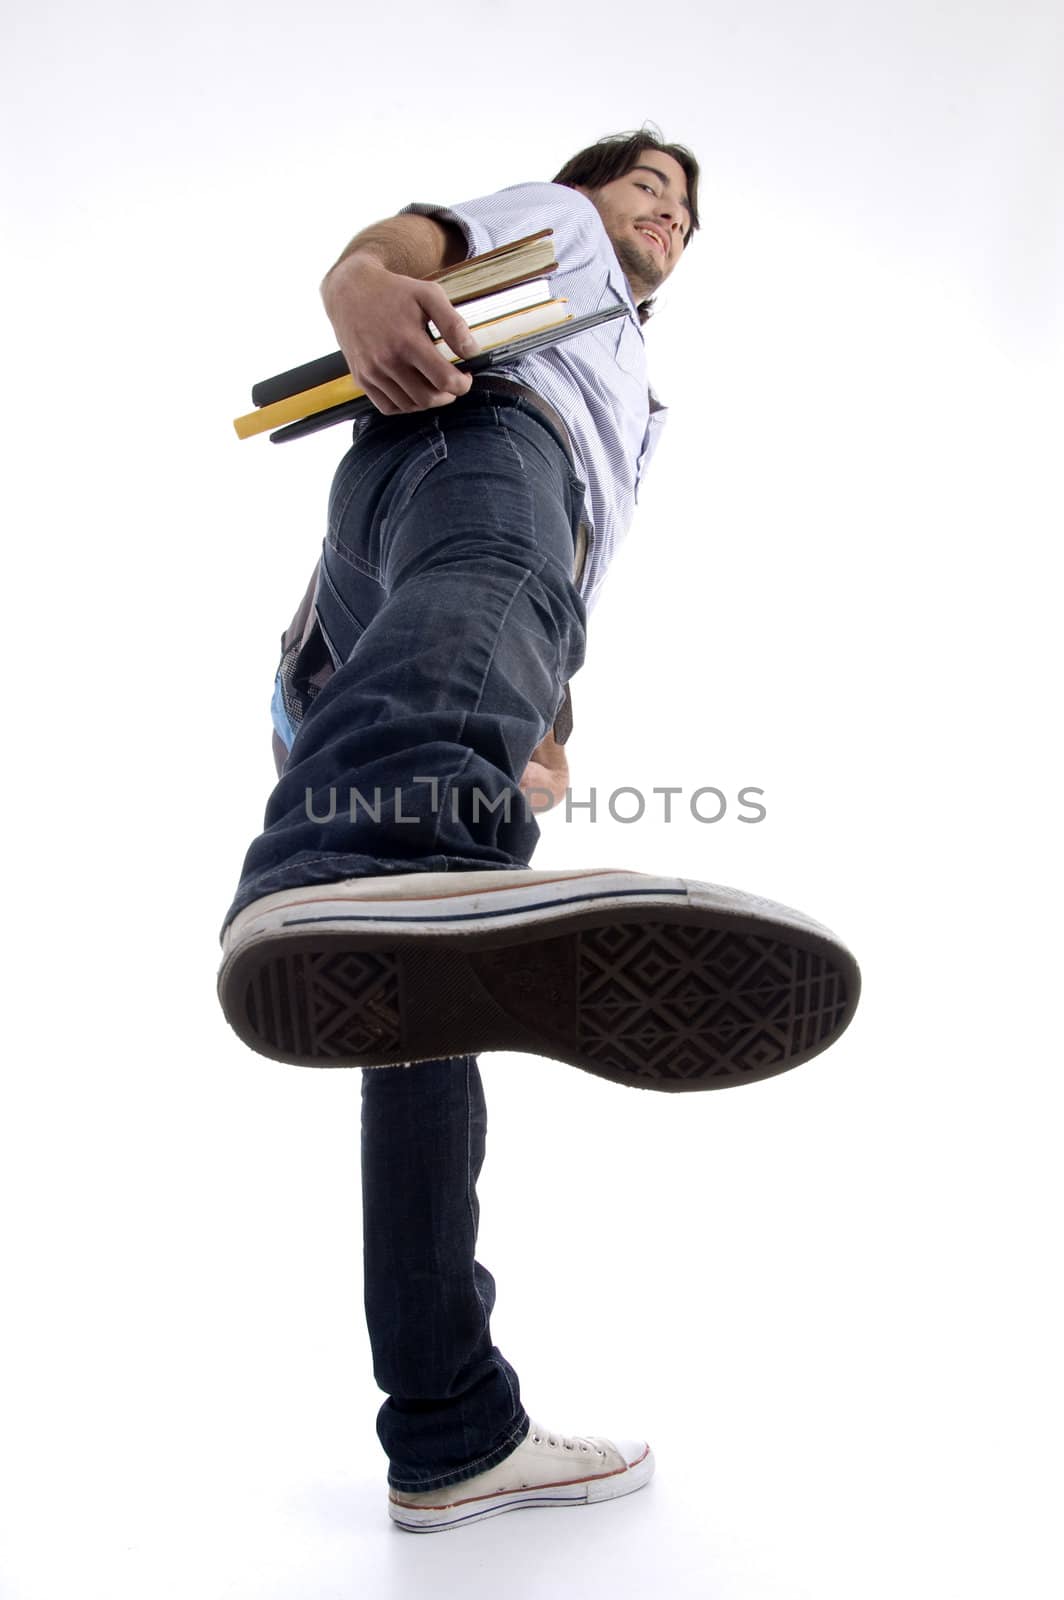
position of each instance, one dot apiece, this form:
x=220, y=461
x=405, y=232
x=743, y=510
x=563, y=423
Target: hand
x=546, y=778
x=380, y=321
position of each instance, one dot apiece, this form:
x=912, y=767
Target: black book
x=497, y=357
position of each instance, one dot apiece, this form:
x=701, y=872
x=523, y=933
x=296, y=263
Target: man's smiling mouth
x=654, y=238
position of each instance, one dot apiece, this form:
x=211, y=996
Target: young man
x=387, y=915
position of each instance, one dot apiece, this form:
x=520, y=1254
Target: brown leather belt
x=495, y=383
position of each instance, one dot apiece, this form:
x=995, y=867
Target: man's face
x=649, y=200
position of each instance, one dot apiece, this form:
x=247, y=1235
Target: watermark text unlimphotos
x=628, y=803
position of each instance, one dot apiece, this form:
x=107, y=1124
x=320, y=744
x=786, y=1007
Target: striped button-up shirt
x=597, y=380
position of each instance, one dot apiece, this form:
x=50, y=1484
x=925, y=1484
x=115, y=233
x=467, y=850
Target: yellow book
x=500, y=330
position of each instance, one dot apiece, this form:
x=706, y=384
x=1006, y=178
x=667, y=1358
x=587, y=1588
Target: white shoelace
x=540, y=1435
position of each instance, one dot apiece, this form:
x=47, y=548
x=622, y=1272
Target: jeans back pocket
x=305, y=667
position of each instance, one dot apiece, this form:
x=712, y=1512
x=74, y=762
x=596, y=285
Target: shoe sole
x=592, y=1491
x=671, y=987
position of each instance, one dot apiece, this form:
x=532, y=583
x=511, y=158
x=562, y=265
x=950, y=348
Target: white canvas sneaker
x=546, y=1469
x=657, y=983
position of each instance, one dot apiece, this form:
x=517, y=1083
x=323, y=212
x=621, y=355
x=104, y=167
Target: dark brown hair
x=617, y=153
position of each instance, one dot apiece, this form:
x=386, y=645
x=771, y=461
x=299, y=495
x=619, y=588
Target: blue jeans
x=447, y=600
x=454, y=1402
x=448, y=605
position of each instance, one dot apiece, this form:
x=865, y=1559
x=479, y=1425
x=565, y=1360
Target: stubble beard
x=643, y=276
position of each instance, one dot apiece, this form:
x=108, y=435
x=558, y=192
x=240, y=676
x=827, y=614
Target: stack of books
x=504, y=296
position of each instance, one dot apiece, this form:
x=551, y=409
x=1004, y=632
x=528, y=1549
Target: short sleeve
x=497, y=219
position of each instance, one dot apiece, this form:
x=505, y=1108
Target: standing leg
x=448, y=603
x=454, y=1404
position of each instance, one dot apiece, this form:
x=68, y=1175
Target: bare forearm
x=413, y=245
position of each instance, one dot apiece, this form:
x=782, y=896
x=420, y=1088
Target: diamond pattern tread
x=329, y=1005
x=663, y=1001
x=671, y=1003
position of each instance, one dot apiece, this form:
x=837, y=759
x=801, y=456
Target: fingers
x=381, y=320
x=389, y=400
x=455, y=330
x=433, y=380
x=403, y=390
x=412, y=375
x=395, y=393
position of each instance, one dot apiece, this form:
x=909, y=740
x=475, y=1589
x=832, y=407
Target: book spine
x=504, y=329
x=308, y=376
x=511, y=283
x=489, y=255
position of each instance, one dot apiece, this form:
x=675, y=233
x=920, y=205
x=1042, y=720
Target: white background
x=830, y=1303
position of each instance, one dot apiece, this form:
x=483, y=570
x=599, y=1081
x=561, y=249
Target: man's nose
x=669, y=214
